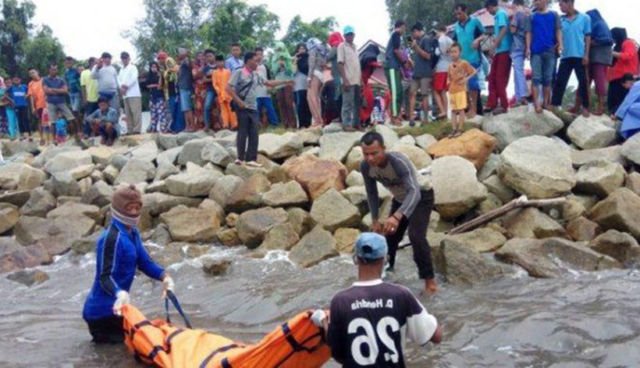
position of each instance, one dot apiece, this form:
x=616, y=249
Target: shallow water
x=584, y=320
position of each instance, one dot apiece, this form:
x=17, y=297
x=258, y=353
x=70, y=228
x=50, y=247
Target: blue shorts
x=75, y=100
x=185, y=100
x=474, y=82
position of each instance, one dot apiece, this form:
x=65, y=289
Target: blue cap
x=371, y=246
x=348, y=29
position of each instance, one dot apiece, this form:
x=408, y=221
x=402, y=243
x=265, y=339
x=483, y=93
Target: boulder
x=216, y=267
x=158, y=203
x=407, y=140
x=71, y=208
x=136, y=171
x=82, y=172
x=425, y=141
x=110, y=174
x=620, y=246
x=355, y=179
x=600, y=178
x=191, y=224
x=346, y=239
x=229, y=237
x=9, y=216
x=315, y=247
x=29, y=278
x=195, y=182
x=39, y=204
x=591, y=132
x=169, y=157
x=316, y=175
x=285, y=195
x=481, y=240
x=56, y=235
x=519, y=123
x=232, y=219
x=86, y=244
x=46, y=154
x=583, y=229
x=147, y=151
x=553, y=257
x=211, y=205
x=63, y=184
x=301, y=220
x=99, y=194
x=119, y=160
x=456, y=186
x=17, y=197
x=463, y=265
x=490, y=168
x=538, y=167
x=333, y=211
x=531, y=223
x=254, y=225
x=611, y=154
x=499, y=189
x=249, y=194
x=224, y=187
x=282, y=236
x=161, y=235
x=631, y=149
x=332, y=128
x=20, y=176
x=101, y=155
x=280, y=146
x=216, y=154
x=417, y=156
x=354, y=159
x=24, y=257
x=336, y=146
x=245, y=172
x=310, y=137
x=619, y=211
x=389, y=135
x=192, y=151
x=474, y=145
x=165, y=170
x=65, y=161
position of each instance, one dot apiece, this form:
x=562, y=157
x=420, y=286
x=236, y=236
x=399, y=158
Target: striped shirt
x=399, y=176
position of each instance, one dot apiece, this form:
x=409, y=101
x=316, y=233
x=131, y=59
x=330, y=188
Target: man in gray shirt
x=244, y=87
x=411, y=207
x=422, y=71
x=107, y=78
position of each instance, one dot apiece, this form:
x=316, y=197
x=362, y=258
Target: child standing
x=60, y=129
x=460, y=72
x=220, y=79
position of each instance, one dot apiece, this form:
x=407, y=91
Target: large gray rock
x=192, y=151
x=425, y=141
x=192, y=224
x=224, y=187
x=583, y=229
x=69, y=209
x=17, y=197
x=282, y=236
x=158, y=203
x=276, y=146
x=591, y=132
x=337, y=146
x=301, y=220
x=354, y=159
x=29, y=278
x=389, y=135
x=481, y=240
x=66, y=161
x=63, y=184
x=355, y=179
x=520, y=123
x=195, y=182
x=463, y=265
x=620, y=246
x=632, y=182
x=631, y=149
x=315, y=247
x=600, y=178
x=456, y=187
x=169, y=156
x=86, y=244
x=136, y=171
x=310, y=137
x=56, y=235
x=490, y=168
x=285, y=195
x=99, y=194
x=531, y=223
x=9, y=216
x=419, y=157
x=538, y=167
x=553, y=257
x=39, y=204
x=611, y=154
x=497, y=187
x=216, y=154
x=82, y=172
x=249, y=194
x=333, y=211
x=15, y=259
x=619, y=211
x=254, y=225
x=20, y=176
x=101, y=155
x=147, y=151
x=165, y=170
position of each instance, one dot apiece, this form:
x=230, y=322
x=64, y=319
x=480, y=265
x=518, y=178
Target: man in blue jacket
x=119, y=253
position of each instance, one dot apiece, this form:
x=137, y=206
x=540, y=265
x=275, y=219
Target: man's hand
x=391, y=225
x=377, y=227
x=527, y=54
x=167, y=285
x=122, y=298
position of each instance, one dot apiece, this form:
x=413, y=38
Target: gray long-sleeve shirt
x=399, y=176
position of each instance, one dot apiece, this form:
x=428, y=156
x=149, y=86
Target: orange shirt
x=36, y=92
x=220, y=79
x=458, y=71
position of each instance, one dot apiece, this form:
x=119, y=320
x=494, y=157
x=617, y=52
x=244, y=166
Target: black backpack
x=434, y=51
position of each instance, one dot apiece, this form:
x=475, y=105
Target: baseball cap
x=371, y=247
x=348, y=29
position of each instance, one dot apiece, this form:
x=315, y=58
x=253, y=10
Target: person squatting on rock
x=119, y=253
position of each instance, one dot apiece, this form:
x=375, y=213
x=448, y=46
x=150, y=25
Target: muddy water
x=583, y=320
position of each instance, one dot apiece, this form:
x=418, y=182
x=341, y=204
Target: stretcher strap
x=174, y=300
x=217, y=351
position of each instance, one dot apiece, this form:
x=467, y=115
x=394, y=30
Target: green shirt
x=465, y=34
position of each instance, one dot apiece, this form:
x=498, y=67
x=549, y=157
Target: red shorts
x=441, y=82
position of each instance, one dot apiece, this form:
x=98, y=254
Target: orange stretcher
x=297, y=343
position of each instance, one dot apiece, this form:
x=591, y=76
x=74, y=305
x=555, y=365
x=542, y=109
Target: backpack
x=434, y=50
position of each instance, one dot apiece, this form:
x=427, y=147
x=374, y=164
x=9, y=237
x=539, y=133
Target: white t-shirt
x=128, y=76
x=444, y=44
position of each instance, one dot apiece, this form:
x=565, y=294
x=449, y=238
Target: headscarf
x=335, y=39
x=619, y=35
x=281, y=53
x=315, y=45
x=169, y=75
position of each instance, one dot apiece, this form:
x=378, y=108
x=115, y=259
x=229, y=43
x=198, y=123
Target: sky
x=98, y=25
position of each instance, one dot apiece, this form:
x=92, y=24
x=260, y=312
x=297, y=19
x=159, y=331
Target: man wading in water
x=411, y=206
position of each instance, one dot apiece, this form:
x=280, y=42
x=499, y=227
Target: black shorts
x=107, y=330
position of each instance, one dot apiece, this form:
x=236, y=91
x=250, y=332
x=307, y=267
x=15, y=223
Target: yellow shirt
x=90, y=84
x=458, y=72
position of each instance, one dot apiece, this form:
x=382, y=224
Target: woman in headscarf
x=317, y=63
x=368, y=63
x=301, y=85
x=625, y=61
x=157, y=105
x=282, y=69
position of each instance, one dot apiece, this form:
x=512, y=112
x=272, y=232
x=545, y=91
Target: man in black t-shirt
x=369, y=321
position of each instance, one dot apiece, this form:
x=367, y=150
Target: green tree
x=15, y=26
x=430, y=12
x=300, y=31
x=41, y=50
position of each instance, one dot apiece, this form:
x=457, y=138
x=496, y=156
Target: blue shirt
x=465, y=34
x=56, y=82
x=574, y=32
x=391, y=59
x=207, y=70
x=19, y=95
x=233, y=64
x=73, y=80
x=119, y=253
x=61, y=127
x=501, y=20
x=543, y=27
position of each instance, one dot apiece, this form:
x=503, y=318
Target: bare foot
x=430, y=286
